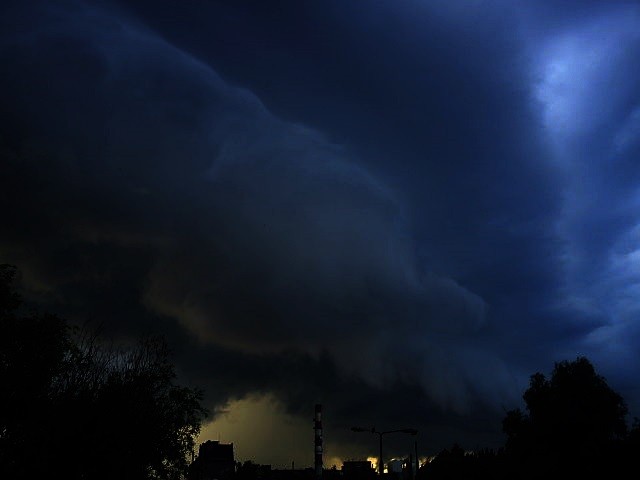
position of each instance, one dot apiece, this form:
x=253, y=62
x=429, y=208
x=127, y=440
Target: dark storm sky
x=399, y=209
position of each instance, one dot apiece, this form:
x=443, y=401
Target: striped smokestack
x=317, y=426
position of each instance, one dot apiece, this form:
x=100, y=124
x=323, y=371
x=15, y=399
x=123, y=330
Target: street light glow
x=410, y=431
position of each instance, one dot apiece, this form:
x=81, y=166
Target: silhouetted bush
x=74, y=407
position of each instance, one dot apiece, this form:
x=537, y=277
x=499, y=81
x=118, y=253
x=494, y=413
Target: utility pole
x=410, y=431
x=317, y=426
x=380, y=462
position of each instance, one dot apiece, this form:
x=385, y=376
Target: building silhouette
x=215, y=461
x=358, y=470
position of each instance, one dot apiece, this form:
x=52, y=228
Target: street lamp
x=410, y=431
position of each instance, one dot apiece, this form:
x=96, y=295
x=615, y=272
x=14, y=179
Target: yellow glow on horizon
x=425, y=460
x=329, y=462
x=262, y=432
x=374, y=462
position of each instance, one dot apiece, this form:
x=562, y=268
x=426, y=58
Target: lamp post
x=410, y=431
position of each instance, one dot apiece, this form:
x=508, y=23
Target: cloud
x=579, y=70
x=146, y=181
x=475, y=222
x=588, y=103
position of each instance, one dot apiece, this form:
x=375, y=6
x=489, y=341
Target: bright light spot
x=330, y=462
x=570, y=71
x=576, y=80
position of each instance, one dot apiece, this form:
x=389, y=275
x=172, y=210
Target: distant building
x=358, y=470
x=400, y=469
x=395, y=465
x=291, y=474
x=332, y=473
x=252, y=471
x=215, y=461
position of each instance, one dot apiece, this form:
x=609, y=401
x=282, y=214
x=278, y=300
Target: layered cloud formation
x=464, y=218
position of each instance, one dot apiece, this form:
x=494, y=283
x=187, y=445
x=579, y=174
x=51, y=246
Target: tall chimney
x=317, y=426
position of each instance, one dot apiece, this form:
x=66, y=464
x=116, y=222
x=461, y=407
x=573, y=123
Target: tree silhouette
x=132, y=412
x=456, y=464
x=574, y=422
x=32, y=354
x=74, y=406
